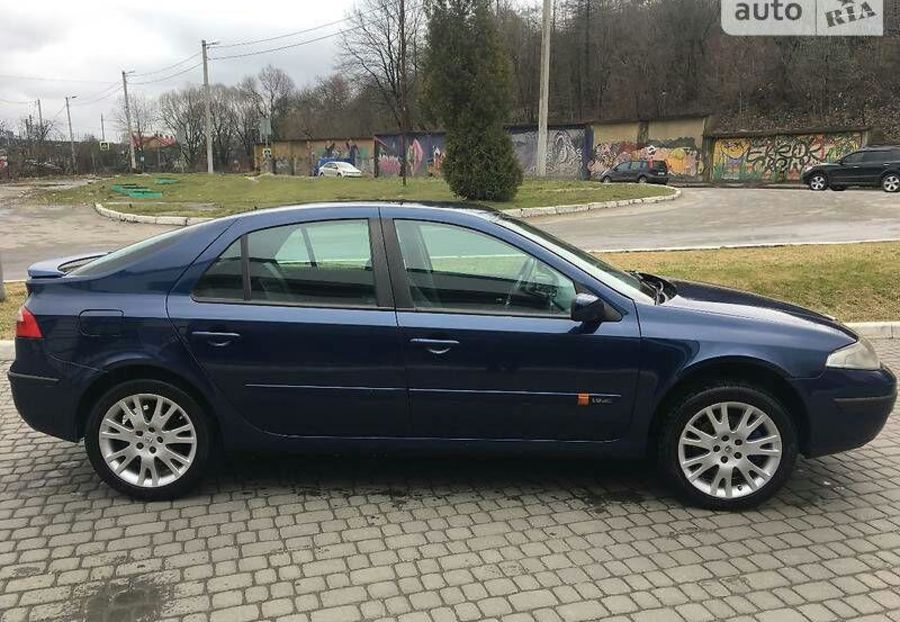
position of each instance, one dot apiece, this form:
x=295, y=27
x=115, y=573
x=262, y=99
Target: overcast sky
x=89, y=43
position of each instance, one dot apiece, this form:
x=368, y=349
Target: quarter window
x=457, y=269
x=326, y=263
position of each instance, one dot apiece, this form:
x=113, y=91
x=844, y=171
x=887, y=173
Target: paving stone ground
x=410, y=538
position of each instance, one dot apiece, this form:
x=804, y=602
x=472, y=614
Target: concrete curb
x=522, y=212
x=869, y=330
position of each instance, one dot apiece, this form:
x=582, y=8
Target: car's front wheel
x=642, y=180
x=607, y=180
x=891, y=182
x=818, y=182
x=728, y=446
x=148, y=439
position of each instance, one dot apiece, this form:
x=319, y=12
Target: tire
x=818, y=182
x=178, y=460
x=321, y=174
x=686, y=436
x=606, y=180
x=340, y=175
x=891, y=182
x=642, y=180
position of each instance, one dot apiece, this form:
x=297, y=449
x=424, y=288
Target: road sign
x=821, y=18
x=267, y=153
x=104, y=145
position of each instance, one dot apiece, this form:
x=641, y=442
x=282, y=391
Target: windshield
x=621, y=281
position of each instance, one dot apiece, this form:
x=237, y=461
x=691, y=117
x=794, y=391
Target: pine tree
x=467, y=89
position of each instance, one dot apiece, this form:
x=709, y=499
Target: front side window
x=853, y=158
x=452, y=268
x=326, y=263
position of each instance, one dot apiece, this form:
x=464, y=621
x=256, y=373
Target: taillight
x=26, y=325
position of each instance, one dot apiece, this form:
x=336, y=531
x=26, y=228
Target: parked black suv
x=872, y=166
x=640, y=171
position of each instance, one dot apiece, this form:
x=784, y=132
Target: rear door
x=490, y=348
x=295, y=325
x=873, y=166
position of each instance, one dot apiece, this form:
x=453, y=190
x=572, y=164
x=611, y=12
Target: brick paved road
x=443, y=539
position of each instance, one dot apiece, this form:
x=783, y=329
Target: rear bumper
x=45, y=403
x=847, y=409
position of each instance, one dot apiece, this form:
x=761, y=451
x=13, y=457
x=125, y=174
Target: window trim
x=383, y=293
x=400, y=280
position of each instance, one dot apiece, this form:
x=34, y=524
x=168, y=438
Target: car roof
x=475, y=209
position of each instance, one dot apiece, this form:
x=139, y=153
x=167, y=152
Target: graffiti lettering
x=778, y=158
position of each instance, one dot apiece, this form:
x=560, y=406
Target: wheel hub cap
x=729, y=450
x=147, y=440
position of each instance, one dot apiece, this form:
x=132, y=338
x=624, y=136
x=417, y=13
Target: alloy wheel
x=147, y=440
x=891, y=183
x=818, y=182
x=729, y=450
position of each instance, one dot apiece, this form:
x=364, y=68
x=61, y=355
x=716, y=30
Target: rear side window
x=223, y=279
x=117, y=260
x=659, y=165
x=876, y=156
x=325, y=263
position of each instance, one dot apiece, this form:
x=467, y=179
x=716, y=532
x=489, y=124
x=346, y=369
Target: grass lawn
x=854, y=282
x=15, y=296
x=198, y=194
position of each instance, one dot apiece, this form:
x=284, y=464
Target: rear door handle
x=435, y=346
x=216, y=339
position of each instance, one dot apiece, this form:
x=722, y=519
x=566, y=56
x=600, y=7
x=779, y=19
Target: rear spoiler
x=55, y=268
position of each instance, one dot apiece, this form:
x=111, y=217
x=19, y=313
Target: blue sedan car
x=385, y=326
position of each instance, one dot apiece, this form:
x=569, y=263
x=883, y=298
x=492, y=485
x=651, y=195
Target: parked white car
x=339, y=169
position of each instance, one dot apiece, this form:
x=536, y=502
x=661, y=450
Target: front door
x=849, y=171
x=294, y=325
x=490, y=349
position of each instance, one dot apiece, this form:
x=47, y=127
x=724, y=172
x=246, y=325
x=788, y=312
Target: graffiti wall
x=682, y=155
x=424, y=154
x=566, y=157
x=677, y=141
x=358, y=151
x=779, y=157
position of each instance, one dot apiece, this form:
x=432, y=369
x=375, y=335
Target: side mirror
x=589, y=309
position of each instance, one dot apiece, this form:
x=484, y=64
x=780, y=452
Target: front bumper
x=846, y=408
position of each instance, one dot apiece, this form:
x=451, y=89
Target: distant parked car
x=339, y=169
x=639, y=171
x=873, y=166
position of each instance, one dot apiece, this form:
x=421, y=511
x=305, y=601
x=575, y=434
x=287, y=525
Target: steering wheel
x=524, y=273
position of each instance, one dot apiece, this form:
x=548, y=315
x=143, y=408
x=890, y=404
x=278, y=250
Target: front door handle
x=435, y=346
x=216, y=339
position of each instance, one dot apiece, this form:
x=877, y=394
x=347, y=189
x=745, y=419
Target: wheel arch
x=745, y=369
x=140, y=370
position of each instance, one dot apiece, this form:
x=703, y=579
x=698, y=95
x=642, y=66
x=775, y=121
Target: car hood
x=735, y=303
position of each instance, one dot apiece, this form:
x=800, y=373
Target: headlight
x=859, y=355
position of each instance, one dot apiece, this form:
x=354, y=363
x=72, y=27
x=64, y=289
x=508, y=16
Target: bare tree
x=381, y=46
x=274, y=92
x=144, y=115
x=246, y=108
x=182, y=112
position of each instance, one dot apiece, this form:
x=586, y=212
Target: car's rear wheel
x=729, y=446
x=818, y=182
x=148, y=439
x=642, y=180
x=607, y=180
x=890, y=182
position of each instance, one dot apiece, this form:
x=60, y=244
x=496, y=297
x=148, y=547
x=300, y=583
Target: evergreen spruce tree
x=467, y=89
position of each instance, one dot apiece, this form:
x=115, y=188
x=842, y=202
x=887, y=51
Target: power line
x=169, y=77
x=43, y=79
x=168, y=67
x=285, y=36
x=100, y=96
x=285, y=47
x=16, y=103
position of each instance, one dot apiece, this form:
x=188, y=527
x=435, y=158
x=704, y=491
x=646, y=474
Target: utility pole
x=102, y=129
x=41, y=132
x=71, y=135
x=404, y=125
x=207, y=113
x=128, y=120
x=540, y=164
